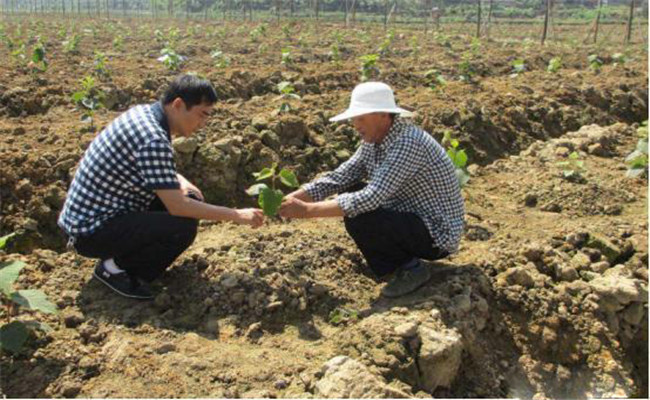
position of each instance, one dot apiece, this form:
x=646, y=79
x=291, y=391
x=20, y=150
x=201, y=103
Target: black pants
x=389, y=239
x=144, y=244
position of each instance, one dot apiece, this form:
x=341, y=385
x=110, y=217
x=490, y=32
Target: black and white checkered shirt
x=407, y=172
x=119, y=172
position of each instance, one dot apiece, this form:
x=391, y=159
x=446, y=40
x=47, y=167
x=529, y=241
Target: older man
x=127, y=205
x=409, y=208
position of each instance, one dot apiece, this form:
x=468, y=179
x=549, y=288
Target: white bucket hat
x=371, y=97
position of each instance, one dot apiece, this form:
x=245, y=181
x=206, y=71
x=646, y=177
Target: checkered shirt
x=407, y=172
x=120, y=170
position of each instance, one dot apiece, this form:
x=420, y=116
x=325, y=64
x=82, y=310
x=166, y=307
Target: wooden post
x=546, y=15
x=478, y=19
x=628, y=37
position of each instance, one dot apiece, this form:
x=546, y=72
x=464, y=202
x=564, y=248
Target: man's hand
x=292, y=207
x=250, y=216
x=188, y=188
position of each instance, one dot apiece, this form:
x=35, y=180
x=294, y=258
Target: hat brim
x=351, y=113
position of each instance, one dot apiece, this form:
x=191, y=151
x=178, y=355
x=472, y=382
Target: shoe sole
x=412, y=291
x=130, y=296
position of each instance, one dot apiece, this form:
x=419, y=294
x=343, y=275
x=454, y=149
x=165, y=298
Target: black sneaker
x=122, y=283
x=407, y=281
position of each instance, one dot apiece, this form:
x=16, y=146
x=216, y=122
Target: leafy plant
x=14, y=334
x=595, y=62
x=637, y=161
x=270, y=198
x=554, y=65
x=89, y=99
x=369, y=66
x=458, y=158
x=287, y=92
x=434, y=79
x=573, y=168
x=342, y=315
x=170, y=59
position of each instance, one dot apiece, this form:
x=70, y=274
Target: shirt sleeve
x=403, y=160
x=155, y=164
x=346, y=175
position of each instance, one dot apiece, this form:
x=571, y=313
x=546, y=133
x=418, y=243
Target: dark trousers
x=144, y=244
x=390, y=239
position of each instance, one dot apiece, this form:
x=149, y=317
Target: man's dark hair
x=191, y=89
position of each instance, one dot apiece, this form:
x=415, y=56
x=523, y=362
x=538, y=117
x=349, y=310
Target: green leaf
x=9, y=272
x=288, y=178
x=263, y=174
x=270, y=201
x=461, y=159
x=256, y=189
x=34, y=300
x=13, y=335
x=4, y=239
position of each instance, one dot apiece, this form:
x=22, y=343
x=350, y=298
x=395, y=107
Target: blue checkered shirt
x=119, y=172
x=407, y=172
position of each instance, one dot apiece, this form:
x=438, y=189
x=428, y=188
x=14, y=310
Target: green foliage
x=270, y=198
x=287, y=92
x=89, y=99
x=170, y=59
x=458, y=158
x=637, y=161
x=71, y=44
x=341, y=315
x=369, y=67
x=554, y=65
x=13, y=334
x=573, y=168
x=595, y=62
x=434, y=79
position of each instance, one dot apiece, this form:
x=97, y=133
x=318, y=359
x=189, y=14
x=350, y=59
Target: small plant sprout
x=13, y=332
x=554, y=65
x=287, y=92
x=89, y=99
x=286, y=57
x=341, y=315
x=220, y=59
x=170, y=59
x=458, y=158
x=100, y=69
x=369, y=66
x=573, y=168
x=434, y=79
x=518, y=67
x=595, y=63
x=270, y=198
x=637, y=161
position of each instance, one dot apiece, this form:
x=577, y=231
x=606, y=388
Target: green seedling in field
x=220, y=59
x=88, y=99
x=369, y=66
x=435, y=80
x=287, y=92
x=170, y=59
x=637, y=161
x=13, y=332
x=71, y=44
x=518, y=67
x=458, y=158
x=573, y=168
x=554, y=65
x=342, y=315
x=270, y=198
x=595, y=63
x=100, y=69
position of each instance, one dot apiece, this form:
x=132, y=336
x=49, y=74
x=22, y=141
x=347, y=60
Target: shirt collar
x=161, y=117
x=395, y=131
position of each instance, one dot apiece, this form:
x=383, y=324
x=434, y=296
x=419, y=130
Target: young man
x=411, y=206
x=128, y=206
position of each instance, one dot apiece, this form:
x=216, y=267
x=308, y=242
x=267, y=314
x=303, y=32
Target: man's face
x=372, y=127
x=188, y=121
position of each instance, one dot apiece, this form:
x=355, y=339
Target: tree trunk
x=628, y=37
